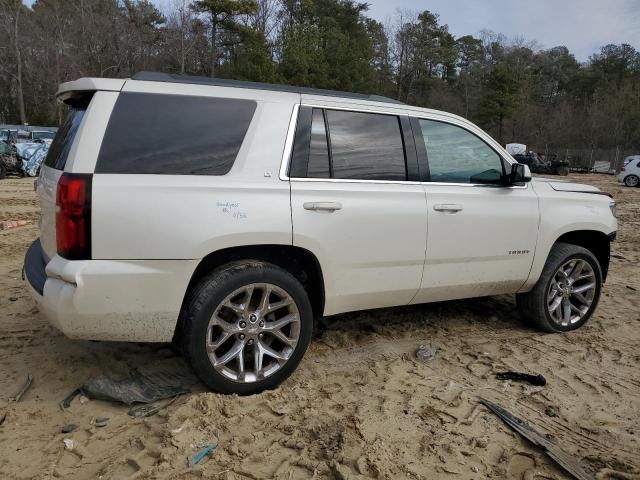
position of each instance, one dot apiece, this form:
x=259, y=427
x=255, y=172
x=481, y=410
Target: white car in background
x=630, y=174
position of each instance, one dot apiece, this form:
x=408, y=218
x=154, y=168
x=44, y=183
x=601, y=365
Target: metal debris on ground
x=147, y=410
x=561, y=457
x=101, y=422
x=144, y=410
x=537, y=380
x=23, y=389
x=550, y=411
x=66, y=403
x=146, y=384
x=69, y=428
x=425, y=353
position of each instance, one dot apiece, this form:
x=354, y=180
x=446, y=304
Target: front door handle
x=322, y=206
x=447, y=207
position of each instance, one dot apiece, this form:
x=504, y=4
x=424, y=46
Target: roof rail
x=223, y=82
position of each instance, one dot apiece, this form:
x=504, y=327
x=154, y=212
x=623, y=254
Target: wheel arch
x=595, y=241
x=300, y=262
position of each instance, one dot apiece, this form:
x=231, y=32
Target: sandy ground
x=360, y=405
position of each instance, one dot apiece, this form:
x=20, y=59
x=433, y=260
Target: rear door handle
x=447, y=207
x=322, y=206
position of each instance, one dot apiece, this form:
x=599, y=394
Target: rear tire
x=232, y=336
x=3, y=169
x=571, y=282
x=631, y=180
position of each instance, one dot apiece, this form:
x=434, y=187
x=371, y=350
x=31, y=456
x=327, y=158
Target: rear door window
x=366, y=146
x=348, y=145
x=174, y=134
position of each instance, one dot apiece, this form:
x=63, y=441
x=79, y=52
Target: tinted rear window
x=62, y=142
x=174, y=134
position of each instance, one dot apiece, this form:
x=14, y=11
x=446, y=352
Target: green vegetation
x=512, y=88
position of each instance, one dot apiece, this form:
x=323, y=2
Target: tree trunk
x=182, y=53
x=20, y=94
x=400, y=70
x=466, y=99
x=214, y=47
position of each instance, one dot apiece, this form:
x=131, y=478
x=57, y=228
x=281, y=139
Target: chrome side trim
x=353, y=180
x=288, y=144
x=436, y=116
x=401, y=182
x=286, y=156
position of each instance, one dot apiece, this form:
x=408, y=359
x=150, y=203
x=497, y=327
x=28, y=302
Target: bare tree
x=11, y=24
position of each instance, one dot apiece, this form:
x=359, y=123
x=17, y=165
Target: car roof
x=223, y=82
x=309, y=95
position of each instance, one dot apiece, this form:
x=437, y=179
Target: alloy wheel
x=631, y=181
x=253, y=332
x=571, y=292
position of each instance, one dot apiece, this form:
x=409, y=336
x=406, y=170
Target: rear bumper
x=123, y=300
x=34, y=267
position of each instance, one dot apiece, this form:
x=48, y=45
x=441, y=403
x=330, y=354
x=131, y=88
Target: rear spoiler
x=88, y=85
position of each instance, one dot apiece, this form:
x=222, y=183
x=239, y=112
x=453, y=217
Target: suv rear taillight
x=73, y=216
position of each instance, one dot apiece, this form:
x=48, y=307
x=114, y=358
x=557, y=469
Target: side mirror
x=520, y=173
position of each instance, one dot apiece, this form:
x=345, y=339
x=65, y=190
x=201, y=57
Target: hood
x=562, y=186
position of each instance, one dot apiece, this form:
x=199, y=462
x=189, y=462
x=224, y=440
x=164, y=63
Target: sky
x=581, y=25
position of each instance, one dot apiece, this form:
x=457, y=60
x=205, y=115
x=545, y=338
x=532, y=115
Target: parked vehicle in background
x=26, y=134
x=537, y=163
x=45, y=136
x=248, y=210
x=8, y=135
x=630, y=173
x=22, y=150
x=630, y=158
x=9, y=164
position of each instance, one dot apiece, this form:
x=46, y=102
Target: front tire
x=246, y=327
x=631, y=180
x=567, y=292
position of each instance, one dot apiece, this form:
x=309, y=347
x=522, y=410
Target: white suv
x=225, y=216
x=630, y=173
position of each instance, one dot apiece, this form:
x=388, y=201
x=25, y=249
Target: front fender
x=563, y=213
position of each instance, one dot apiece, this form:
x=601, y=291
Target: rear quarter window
x=174, y=134
x=62, y=142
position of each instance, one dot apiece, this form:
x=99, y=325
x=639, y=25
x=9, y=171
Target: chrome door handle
x=322, y=206
x=447, y=207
